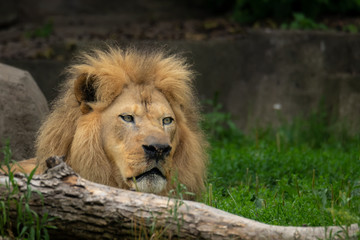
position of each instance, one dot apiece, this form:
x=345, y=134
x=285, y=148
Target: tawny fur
x=25, y=166
x=68, y=131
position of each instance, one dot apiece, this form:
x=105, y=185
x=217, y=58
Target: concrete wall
x=291, y=70
x=262, y=71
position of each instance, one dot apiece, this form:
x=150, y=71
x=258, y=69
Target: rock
x=22, y=108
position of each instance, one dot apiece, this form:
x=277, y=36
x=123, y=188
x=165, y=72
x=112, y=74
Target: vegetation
x=43, y=31
x=247, y=11
x=306, y=173
x=286, y=14
x=302, y=22
x=29, y=225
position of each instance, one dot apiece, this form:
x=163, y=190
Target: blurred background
x=263, y=62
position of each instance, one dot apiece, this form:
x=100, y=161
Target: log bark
x=86, y=210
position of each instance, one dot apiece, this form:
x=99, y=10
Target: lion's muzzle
x=153, y=180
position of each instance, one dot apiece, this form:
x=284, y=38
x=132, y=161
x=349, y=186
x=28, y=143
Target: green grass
x=29, y=224
x=306, y=173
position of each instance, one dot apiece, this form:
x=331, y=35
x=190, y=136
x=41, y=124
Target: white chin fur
x=151, y=184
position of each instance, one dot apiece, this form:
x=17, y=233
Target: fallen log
x=86, y=210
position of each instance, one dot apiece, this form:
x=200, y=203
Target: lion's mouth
x=155, y=171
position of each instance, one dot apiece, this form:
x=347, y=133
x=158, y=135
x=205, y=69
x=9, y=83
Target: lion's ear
x=85, y=91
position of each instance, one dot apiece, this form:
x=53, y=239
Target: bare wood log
x=88, y=210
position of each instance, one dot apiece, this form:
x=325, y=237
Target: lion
x=127, y=119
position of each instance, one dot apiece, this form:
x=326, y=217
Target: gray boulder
x=22, y=108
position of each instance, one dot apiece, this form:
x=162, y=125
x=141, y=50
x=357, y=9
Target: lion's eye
x=167, y=120
x=127, y=118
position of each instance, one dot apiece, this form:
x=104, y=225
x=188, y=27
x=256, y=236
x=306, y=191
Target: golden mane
x=104, y=75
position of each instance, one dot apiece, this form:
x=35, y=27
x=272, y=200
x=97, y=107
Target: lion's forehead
x=132, y=101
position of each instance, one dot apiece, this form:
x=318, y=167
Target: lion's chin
x=150, y=182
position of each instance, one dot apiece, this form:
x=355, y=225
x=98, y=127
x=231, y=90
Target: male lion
x=128, y=119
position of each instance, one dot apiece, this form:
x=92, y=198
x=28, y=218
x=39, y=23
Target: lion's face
x=128, y=119
x=138, y=136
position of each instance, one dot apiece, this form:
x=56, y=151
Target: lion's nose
x=157, y=151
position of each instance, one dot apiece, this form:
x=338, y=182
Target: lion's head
x=128, y=119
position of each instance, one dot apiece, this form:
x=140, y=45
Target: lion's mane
x=98, y=78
